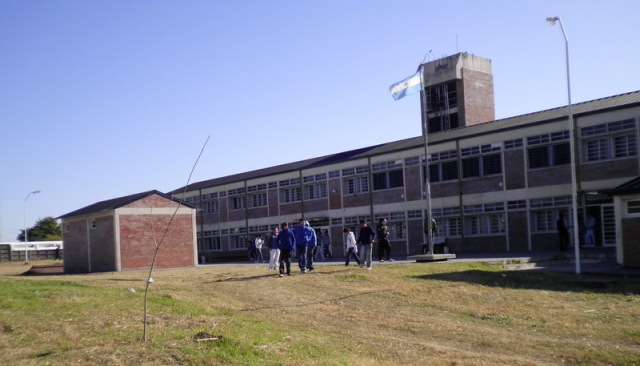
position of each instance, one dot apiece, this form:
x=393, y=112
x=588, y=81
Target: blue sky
x=104, y=99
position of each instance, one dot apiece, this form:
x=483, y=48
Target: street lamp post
x=26, y=237
x=574, y=184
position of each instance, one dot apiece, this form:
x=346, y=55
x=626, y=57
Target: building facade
x=495, y=185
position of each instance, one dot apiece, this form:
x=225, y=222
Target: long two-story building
x=495, y=185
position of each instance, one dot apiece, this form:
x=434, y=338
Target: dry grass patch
x=413, y=314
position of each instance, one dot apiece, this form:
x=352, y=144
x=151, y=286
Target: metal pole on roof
x=26, y=237
x=574, y=184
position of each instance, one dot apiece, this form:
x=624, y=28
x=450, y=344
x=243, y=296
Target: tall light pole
x=574, y=184
x=26, y=237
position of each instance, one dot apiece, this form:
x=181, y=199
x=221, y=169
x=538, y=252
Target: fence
x=17, y=251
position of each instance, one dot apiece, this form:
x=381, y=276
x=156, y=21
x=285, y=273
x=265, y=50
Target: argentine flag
x=408, y=86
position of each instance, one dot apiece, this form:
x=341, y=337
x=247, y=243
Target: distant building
x=122, y=234
x=495, y=185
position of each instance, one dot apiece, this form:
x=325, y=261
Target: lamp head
x=552, y=20
x=36, y=192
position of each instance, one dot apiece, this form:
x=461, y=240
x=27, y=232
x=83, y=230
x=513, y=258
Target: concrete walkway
x=593, y=261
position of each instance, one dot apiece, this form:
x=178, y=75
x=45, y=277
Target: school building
x=495, y=185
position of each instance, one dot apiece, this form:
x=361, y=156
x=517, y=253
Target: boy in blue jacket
x=305, y=242
x=286, y=243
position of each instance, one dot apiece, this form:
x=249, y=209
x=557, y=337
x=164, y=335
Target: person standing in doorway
x=351, y=248
x=319, y=253
x=382, y=233
x=563, y=233
x=366, y=238
x=274, y=250
x=590, y=237
x=286, y=243
x=326, y=245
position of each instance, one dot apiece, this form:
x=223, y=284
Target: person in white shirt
x=259, y=241
x=274, y=250
x=351, y=248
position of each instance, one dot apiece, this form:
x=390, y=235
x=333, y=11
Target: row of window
x=479, y=219
x=601, y=142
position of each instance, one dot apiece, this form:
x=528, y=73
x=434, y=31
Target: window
x=485, y=224
x=397, y=230
x=238, y=242
x=237, y=202
x=513, y=144
x=548, y=150
x=448, y=220
x=357, y=185
x=412, y=161
x=443, y=166
x=516, y=205
x=633, y=207
x=550, y=155
x=611, y=147
x=388, y=180
x=543, y=221
x=258, y=199
x=479, y=166
x=315, y=191
x=211, y=243
x=291, y=194
x=211, y=207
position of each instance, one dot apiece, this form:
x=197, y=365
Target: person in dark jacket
x=382, y=233
x=366, y=238
x=286, y=243
x=563, y=233
x=305, y=243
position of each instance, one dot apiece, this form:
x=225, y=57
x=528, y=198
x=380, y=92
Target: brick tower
x=458, y=92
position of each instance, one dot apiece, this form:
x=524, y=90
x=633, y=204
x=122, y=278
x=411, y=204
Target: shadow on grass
x=550, y=281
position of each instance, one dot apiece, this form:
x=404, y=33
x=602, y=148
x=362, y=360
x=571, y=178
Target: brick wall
x=102, y=242
x=139, y=233
x=631, y=240
x=76, y=252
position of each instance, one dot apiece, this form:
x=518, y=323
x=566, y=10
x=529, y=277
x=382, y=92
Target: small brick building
x=122, y=233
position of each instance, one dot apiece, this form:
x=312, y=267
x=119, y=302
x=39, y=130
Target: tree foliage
x=46, y=229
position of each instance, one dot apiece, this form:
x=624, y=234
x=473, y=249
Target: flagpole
x=427, y=186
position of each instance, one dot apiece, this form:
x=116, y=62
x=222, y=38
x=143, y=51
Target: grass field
x=397, y=314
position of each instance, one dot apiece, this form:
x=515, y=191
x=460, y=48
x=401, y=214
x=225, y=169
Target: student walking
x=274, y=250
x=350, y=245
x=259, y=241
x=286, y=242
x=366, y=238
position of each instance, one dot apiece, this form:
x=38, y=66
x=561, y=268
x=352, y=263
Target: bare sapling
x=158, y=244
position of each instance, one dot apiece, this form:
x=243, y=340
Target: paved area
x=593, y=261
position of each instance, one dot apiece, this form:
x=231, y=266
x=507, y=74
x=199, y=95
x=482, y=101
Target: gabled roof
x=114, y=203
x=546, y=116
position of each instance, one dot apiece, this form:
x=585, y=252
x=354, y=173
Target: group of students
x=303, y=240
